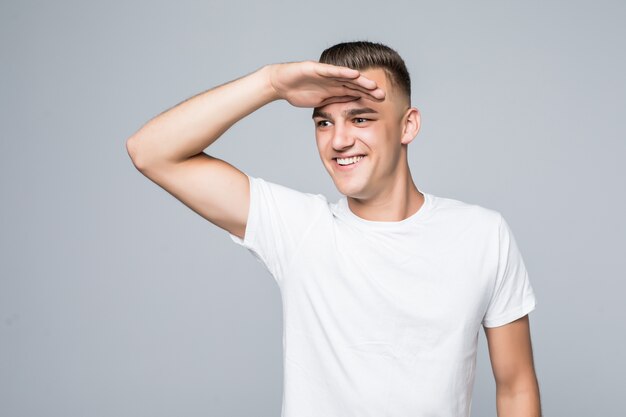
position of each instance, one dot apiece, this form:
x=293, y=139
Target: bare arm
x=168, y=149
x=188, y=128
x=510, y=352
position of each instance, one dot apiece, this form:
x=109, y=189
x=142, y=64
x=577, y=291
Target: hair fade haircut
x=363, y=55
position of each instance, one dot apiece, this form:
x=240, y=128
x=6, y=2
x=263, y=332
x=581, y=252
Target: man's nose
x=342, y=137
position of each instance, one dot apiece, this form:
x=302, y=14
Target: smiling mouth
x=348, y=163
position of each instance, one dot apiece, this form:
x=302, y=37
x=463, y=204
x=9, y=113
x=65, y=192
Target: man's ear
x=411, y=123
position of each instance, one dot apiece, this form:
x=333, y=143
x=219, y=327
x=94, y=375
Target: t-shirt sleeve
x=513, y=296
x=279, y=218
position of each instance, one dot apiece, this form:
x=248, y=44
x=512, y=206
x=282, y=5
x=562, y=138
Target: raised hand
x=313, y=84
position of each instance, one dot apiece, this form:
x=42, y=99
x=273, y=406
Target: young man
x=385, y=290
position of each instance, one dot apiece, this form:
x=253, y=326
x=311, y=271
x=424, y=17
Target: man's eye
x=321, y=123
x=360, y=120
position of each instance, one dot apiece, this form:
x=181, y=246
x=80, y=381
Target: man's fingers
x=376, y=95
x=365, y=82
x=338, y=99
x=343, y=74
x=360, y=81
x=346, y=95
x=349, y=76
x=362, y=84
x=334, y=71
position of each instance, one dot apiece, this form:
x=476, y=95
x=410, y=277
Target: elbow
x=132, y=148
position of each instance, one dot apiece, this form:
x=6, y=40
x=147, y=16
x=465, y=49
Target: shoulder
x=286, y=198
x=459, y=211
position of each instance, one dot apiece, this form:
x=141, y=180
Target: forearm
x=191, y=126
x=520, y=402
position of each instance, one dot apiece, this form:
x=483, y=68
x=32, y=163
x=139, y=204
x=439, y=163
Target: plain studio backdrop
x=118, y=300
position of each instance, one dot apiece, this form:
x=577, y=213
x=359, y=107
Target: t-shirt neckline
x=349, y=216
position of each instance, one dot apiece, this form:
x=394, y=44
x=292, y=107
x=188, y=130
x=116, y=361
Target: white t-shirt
x=381, y=318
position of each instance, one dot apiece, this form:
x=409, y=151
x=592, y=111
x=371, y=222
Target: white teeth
x=348, y=161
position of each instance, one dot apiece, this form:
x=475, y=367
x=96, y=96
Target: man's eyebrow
x=346, y=113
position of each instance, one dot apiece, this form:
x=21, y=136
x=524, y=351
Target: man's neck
x=396, y=204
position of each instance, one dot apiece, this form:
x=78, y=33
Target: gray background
x=117, y=300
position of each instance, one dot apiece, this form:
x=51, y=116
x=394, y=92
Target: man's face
x=365, y=128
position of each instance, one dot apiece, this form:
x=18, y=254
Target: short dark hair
x=363, y=55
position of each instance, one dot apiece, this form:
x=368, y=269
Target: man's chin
x=349, y=190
